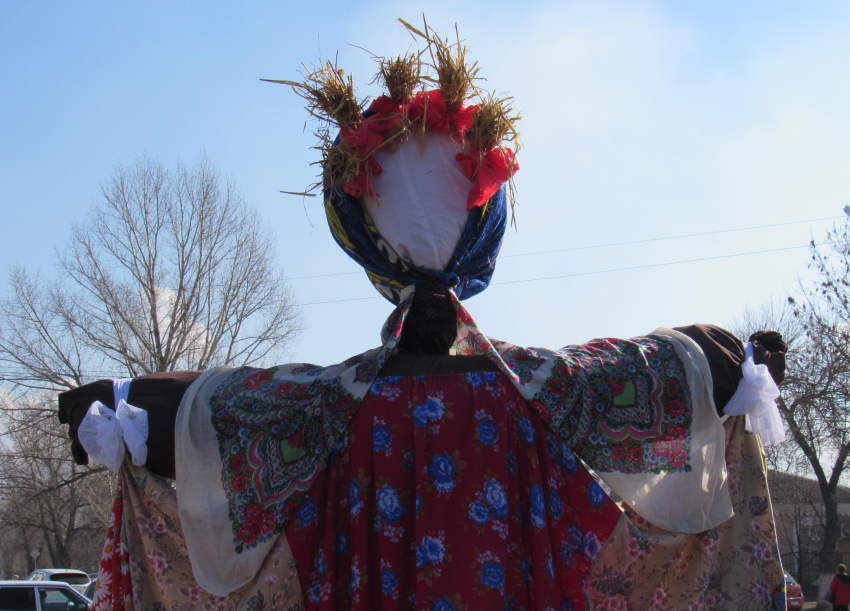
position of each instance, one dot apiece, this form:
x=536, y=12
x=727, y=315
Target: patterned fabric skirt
x=450, y=496
x=145, y=564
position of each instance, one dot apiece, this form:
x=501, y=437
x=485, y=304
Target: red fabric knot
x=363, y=141
x=387, y=115
x=431, y=108
x=490, y=171
x=363, y=182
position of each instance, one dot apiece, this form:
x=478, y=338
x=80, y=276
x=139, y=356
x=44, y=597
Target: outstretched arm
x=158, y=393
x=725, y=353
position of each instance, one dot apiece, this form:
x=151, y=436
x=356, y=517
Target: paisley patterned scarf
x=468, y=272
x=622, y=405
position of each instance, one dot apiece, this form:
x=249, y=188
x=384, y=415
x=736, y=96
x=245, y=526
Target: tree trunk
x=830, y=534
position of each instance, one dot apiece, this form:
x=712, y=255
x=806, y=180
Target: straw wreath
x=332, y=100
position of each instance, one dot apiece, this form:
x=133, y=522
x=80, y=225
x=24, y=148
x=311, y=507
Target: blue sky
x=642, y=120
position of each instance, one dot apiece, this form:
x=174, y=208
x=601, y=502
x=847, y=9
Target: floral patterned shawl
x=639, y=411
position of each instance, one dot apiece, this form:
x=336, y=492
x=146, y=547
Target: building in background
x=799, y=513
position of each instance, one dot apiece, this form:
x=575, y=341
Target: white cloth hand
x=756, y=398
x=103, y=432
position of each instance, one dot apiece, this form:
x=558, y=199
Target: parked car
x=793, y=593
x=89, y=593
x=41, y=596
x=78, y=580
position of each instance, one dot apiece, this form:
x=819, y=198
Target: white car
x=41, y=596
x=76, y=579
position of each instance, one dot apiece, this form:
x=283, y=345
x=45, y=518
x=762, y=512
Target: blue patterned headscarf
x=468, y=271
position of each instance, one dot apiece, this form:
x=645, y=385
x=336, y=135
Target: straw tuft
x=329, y=95
x=401, y=76
x=454, y=75
x=341, y=164
x=494, y=124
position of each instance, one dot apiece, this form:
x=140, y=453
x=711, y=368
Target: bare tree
x=46, y=501
x=815, y=401
x=172, y=270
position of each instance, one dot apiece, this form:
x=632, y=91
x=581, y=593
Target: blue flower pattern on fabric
x=355, y=503
x=497, y=499
x=342, y=542
x=567, y=459
x=307, y=513
x=591, y=546
x=538, y=509
x=526, y=432
x=488, y=432
x=389, y=581
x=381, y=438
x=596, y=494
x=443, y=604
x=389, y=504
x=430, y=411
x=478, y=512
x=492, y=574
x=430, y=551
x=442, y=469
x=553, y=504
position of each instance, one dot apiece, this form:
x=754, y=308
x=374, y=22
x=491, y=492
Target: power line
x=325, y=275
x=673, y=237
x=607, y=245
x=561, y=276
x=624, y=269
x=338, y=301
x=592, y=273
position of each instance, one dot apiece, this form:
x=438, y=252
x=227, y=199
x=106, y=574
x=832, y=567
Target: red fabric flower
x=462, y=119
x=256, y=380
x=387, y=115
x=363, y=183
x=383, y=104
x=671, y=387
x=285, y=388
x=430, y=108
x=267, y=522
x=677, y=432
x=635, y=453
x=253, y=513
x=675, y=407
x=343, y=403
x=237, y=463
x=248, y=533
x=490, y=171
x=557, y=387
x=618, y=451
x=240, y=482
x=678, y=457
x=361, y=139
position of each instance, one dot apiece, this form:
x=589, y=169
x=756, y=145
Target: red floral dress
x=450, y=495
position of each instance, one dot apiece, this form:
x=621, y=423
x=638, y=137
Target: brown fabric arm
x=725, y=353
x=158, y=393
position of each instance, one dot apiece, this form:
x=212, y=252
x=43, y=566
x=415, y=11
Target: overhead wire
x=595, y=272
x=610, y=244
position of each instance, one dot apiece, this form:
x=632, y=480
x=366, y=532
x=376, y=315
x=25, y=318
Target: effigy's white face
x=421, y=206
